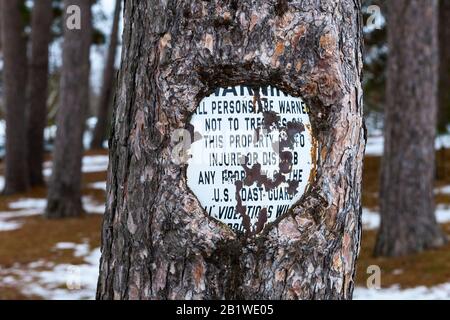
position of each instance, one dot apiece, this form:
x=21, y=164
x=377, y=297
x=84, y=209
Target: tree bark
x=64, y=196
x=444, y=67
x=408, y=223
x=109, y=74
x=38, y=81
x=15, y=79
x=157, y=241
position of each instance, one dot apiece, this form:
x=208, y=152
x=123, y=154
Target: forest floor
x=426, y=274
x=58, y=259
x=52, y=259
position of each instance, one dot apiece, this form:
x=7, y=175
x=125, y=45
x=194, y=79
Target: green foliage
x=25, y=12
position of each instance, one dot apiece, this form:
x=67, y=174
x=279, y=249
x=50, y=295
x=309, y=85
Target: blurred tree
x=0, y=29
x=64, y=196
x=408, y=223
x=15, y=79
x=375, y=65
x=444, y=68
x=38, y=84
x=98, y=37
x=2, y=110
x=107, y=91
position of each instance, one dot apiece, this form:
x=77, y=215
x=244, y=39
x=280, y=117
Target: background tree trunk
x=64, y=197
x=15, y=79
x=408, y=223
x=444, y=67
x=38, y=80
x=109, y=74
x=157, y=241
x=1, y=54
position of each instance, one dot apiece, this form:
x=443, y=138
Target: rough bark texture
x=38, y=80
x=109, y=75
x=15, y=79
x=64, y=197
x=157, y=241
x=444, y=67
x=408, y=223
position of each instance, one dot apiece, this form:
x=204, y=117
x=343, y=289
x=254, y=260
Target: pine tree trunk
x=38, y=81
x=408, y=223
x=64, y=196
x=106, y=93
x=1, y=18
x=157, y=241
x=444, y=67
x=15, y=79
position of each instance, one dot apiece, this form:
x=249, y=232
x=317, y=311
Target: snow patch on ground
x=90, y=164
x=445, y=190
x=93, y=207
x=371, y=218
x=375, y=144
x=80, y=249
x=439, y=292
x=57, y=282
x=95, y=163
x=443, y=213
x=6, y=225
x=443, y=141
x=31, y=207
x=101, y=185
x=28, y=203
x=19, y=209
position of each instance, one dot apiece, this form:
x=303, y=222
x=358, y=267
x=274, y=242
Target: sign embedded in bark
x=251, y=158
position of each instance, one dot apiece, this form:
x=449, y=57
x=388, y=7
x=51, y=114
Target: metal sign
x=251, y=158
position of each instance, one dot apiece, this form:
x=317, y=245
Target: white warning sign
x=251, y=155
